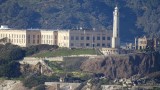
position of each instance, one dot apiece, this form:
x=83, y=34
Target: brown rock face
x=28, y=69
x=124, y=66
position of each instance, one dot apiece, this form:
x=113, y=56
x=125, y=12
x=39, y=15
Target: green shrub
x=33, y=80
x=11, y=52
x=37, y=48
x=40, y=87
x=10, y=69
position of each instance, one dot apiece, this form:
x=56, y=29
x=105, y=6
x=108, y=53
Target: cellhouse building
x=106, y=40
x=63, y=38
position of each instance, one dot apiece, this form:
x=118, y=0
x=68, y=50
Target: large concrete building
x=63, y=38
x=106, y=40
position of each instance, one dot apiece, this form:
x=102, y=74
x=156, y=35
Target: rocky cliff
x=124, y=66
x=38, y=68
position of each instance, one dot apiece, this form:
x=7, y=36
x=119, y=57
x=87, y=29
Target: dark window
x=37, y=36
x=98, y=38
x=77, y=38
x=103, y=38
x=103, y=45
x=38, y=41
x=93, y=38
x=82, y=44
x=82, y=38
x=33, y=41
x=55, y=37
x=87, y=38
x=72, y=44
x=98, y=44
x=108, y=38
x=87, y=44
x=28, y=36
x=93, y=45
x=29, y=40
x=33, y=36
x=72, y=38
x=108, y=45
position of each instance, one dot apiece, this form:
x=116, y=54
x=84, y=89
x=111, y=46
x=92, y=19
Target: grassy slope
x=66, y=52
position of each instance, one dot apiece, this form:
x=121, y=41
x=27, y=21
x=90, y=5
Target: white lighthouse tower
x=115, y=49
x=115, y=37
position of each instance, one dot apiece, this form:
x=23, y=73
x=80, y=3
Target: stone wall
x=63, y=86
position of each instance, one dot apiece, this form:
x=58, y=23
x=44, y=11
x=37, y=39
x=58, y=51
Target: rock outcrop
x=39, y=68
x=124, y=66
x=12, y=85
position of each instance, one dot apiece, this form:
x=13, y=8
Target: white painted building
x=62, y=38
x=107, y=39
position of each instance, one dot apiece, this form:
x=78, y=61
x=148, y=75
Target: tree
x=12, y=70
x=34, y=80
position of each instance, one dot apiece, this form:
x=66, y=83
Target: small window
x=82, y=38
x=108, y=38
x=38, y=41
x=33, y=36
x=33, y=41
x=103, y=45
x=87, y=38
x=87, y=44
x=55, y=36
x=93, y=38
x=37, y=36
x=103, y=38
x=82, y=44
x=72, y=44
x=77, y=38
x=28, y=40
x=72, y=37
x=98, y=38
x=98, y=44
x=28, y=36
x=108, y=45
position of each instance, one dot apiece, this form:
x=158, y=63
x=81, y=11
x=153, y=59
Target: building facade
x=107, y=39
x=62, y=38
x=147, y=43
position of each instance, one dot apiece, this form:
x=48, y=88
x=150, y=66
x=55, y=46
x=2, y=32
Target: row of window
x=93, y=45
x=43, y=41
x=13, y=35
x=43, y=36
x=17, y=40
x=90, y=38
x=29, y=36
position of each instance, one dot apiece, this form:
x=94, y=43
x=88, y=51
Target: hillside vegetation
x=136, y=16
x=10, y=54
x=66, y=52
